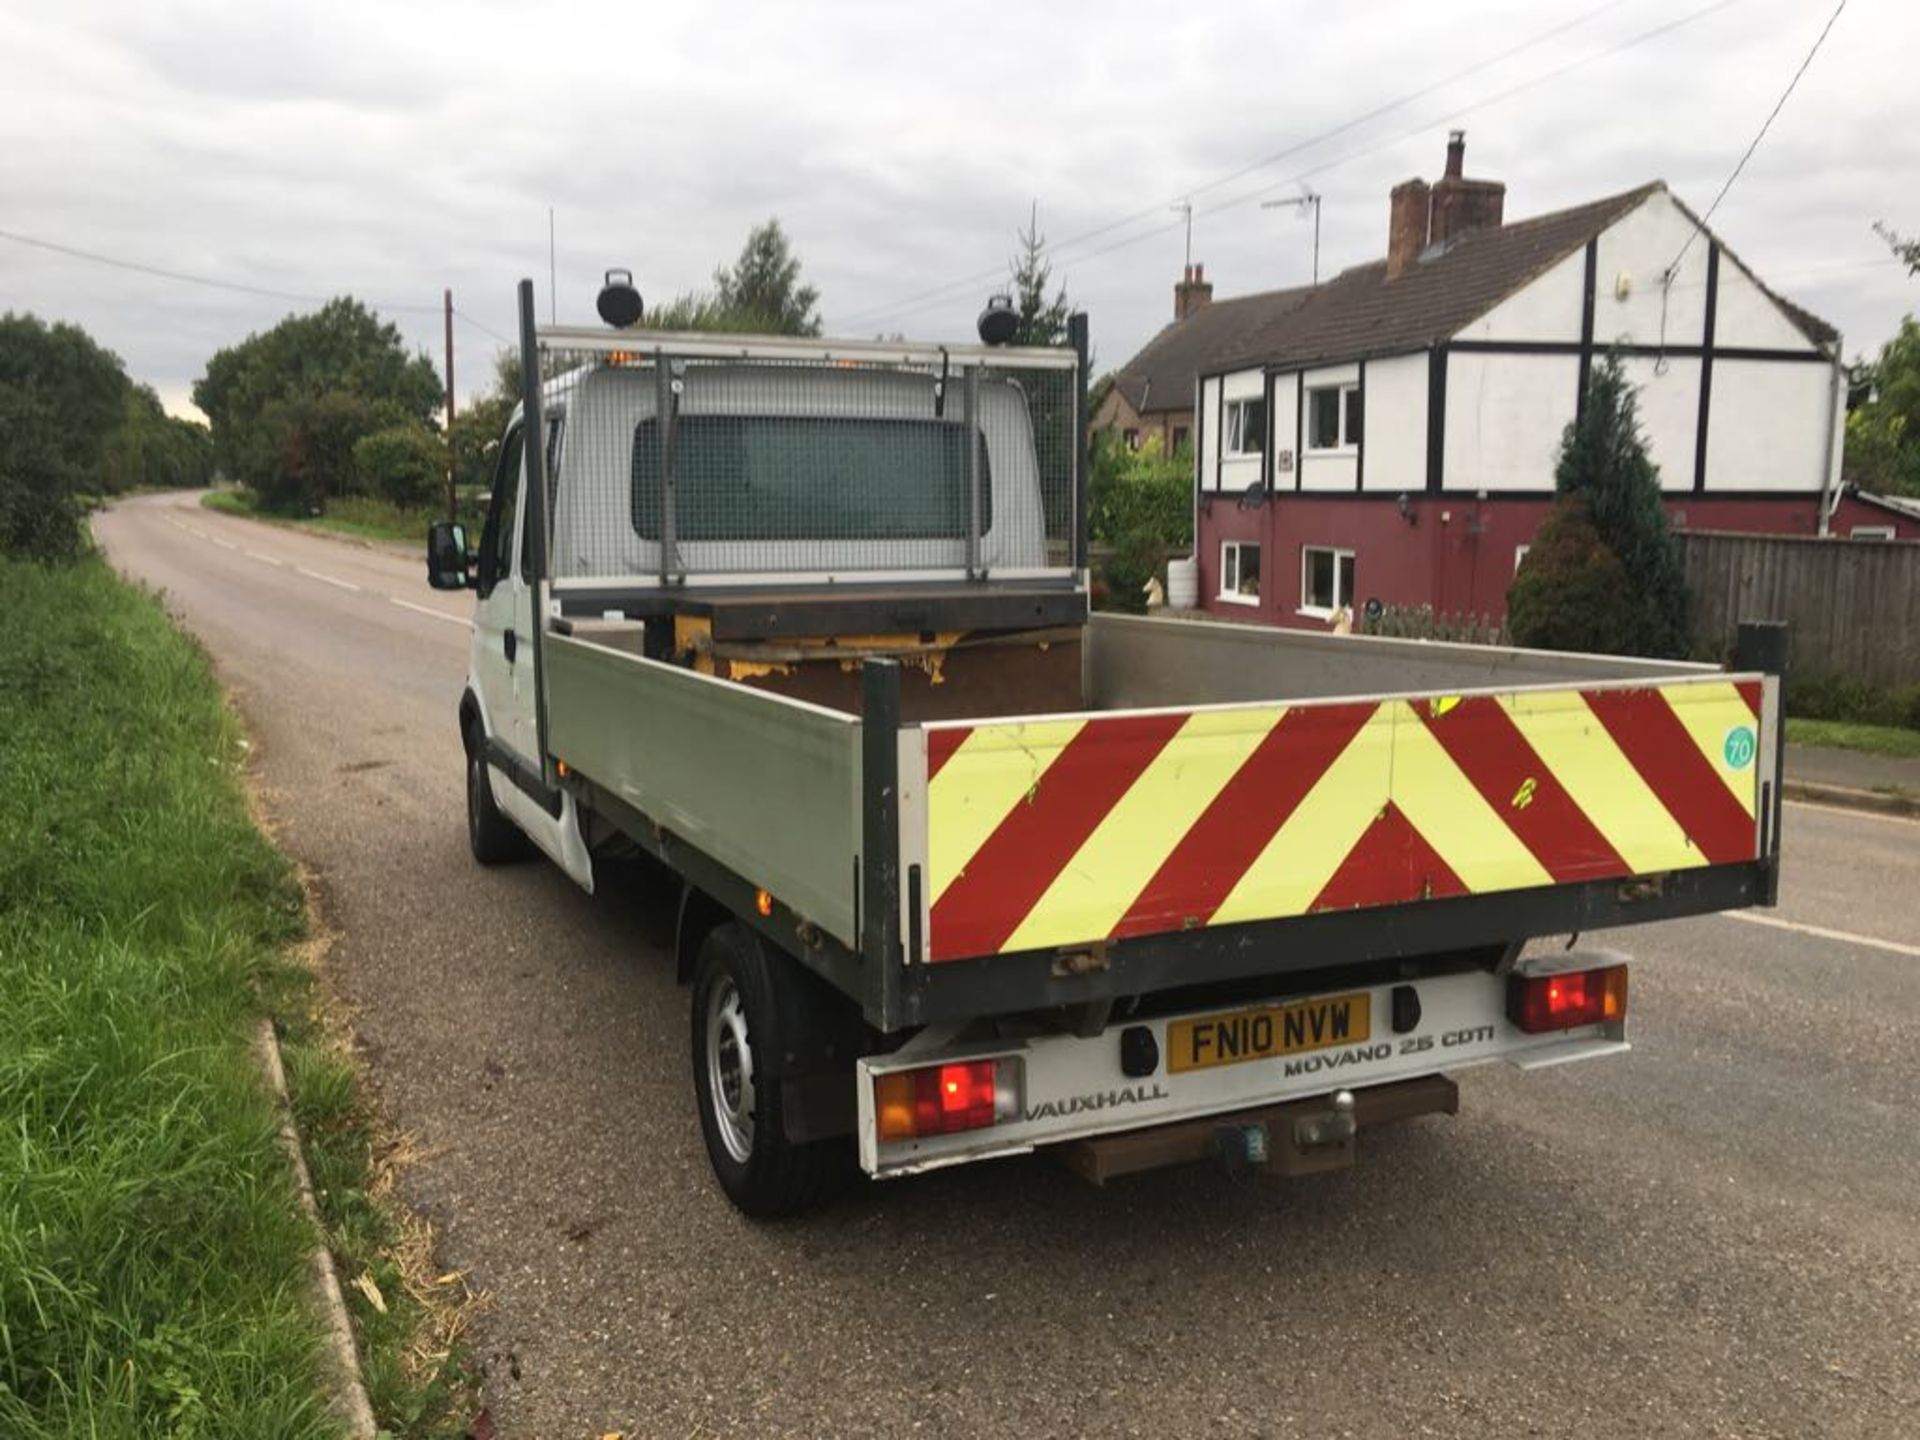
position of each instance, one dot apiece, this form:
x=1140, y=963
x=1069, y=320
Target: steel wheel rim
x=730, y=1069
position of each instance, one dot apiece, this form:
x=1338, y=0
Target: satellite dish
x=999, y=322
x=619, y=303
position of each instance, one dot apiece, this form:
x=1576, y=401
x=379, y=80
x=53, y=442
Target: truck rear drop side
x=969, y=871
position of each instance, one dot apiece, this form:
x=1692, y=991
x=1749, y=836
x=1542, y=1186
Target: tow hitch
x=1301, y=1137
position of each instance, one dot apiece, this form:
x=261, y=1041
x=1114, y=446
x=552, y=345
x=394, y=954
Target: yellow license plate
x=1268, y=1031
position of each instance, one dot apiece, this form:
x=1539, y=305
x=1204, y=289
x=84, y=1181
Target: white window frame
x=1234, y=425
x=1235, y=596
x=1871, y=532
x=1347, y=444
x=1319, y=612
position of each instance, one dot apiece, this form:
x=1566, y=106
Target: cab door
x=503, y=655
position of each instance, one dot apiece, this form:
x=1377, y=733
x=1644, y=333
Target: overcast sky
x=388, y=150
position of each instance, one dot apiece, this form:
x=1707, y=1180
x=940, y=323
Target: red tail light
x=943, y=1099
x=1540, y=1003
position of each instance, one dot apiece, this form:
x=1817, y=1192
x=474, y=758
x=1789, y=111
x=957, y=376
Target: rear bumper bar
x=1074, y=1088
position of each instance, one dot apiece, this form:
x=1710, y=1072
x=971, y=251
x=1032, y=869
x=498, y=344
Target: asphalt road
x=1718, y=1235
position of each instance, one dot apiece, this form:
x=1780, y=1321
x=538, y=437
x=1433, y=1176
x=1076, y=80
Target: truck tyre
x=495, y=839
x=743, y=996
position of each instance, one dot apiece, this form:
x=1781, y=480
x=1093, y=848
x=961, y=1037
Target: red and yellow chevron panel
x=1072, y=830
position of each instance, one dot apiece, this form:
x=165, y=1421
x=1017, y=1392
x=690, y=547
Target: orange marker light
x=763, y=902
x=1542, y=1003
x=943, y=1099
x=561, y=768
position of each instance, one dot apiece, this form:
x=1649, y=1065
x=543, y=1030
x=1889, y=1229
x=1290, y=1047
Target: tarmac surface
x=1716, y=1235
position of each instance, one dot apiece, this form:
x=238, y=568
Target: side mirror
x=447, y=556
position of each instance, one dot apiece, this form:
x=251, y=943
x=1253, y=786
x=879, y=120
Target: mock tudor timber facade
x=1393, y=435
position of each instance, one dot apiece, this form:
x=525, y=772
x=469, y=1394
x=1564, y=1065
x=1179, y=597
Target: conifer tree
x=1605, y=478
x=1043, y=319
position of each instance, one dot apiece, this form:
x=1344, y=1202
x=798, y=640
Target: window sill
x=1332, y=452
x=1237, y=599
x=1315, y=612
x=1241, y=454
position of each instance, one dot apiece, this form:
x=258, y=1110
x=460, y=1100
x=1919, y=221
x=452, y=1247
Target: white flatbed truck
x=967, y=870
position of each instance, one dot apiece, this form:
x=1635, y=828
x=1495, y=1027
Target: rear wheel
x=493, y=837
x=738, y=1014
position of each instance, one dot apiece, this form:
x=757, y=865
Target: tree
x=80, y=383
x=63, y=400
x=762, y=290
x=1883, y=429
x=1043, y=321
x=39, y=518
x=1604, y=482
x=1139, y=506
x=156, y=450
x=481, y=424
x=1905, y=250
x=288, y=405
x=1571, y=592
x=405, y=464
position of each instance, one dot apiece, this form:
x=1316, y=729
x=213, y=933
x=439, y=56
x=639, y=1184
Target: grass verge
x=361, y=516
x=153, y=1272
x=1895, y=740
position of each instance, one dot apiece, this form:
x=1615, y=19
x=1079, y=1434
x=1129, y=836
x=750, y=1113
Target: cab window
x=496, y=540
x=553, y=485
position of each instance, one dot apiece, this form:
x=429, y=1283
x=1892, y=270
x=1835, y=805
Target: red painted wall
x=1851, y=512
x=1454, y=553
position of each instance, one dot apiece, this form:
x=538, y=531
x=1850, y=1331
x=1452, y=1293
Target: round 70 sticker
x=1739, y=747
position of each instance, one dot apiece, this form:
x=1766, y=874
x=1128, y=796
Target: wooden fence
x=1853, y=605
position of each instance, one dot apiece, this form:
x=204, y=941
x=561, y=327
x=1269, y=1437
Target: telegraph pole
x=453, y=508
x=1301, y=203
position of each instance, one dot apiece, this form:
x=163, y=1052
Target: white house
x=1393, y=434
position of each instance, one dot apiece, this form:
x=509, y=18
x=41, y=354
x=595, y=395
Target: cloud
x=391, y=151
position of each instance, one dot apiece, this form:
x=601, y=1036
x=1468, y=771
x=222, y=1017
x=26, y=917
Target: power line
x=928, y=299
x=909, y=304
x=460, y=314
x=1667, y=27
x=186, y=278
x=1760, y=135
x=1302, y=176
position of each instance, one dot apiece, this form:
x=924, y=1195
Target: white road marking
x=263, y=559
x=429, y=610
x=1821, y=932
x=223, y=544
x=327, y=579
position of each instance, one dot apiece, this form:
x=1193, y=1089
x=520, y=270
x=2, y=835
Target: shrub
x=1140, y=491
x=1134, y=562
x=405, y=464
x=1819, y=696
x=39, y=518
x=1572, y=592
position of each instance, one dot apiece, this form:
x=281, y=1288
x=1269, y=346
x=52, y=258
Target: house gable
x=1546, y=308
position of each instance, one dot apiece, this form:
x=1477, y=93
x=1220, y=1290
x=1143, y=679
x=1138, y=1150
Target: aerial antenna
x=1300, y=203
x=1185, y=207
x=553, y=296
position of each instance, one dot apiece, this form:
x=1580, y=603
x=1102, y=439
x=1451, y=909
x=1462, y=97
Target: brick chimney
x=1192, y=293
x=1406, y=226
x=1421, y=216
x=1460, y=205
